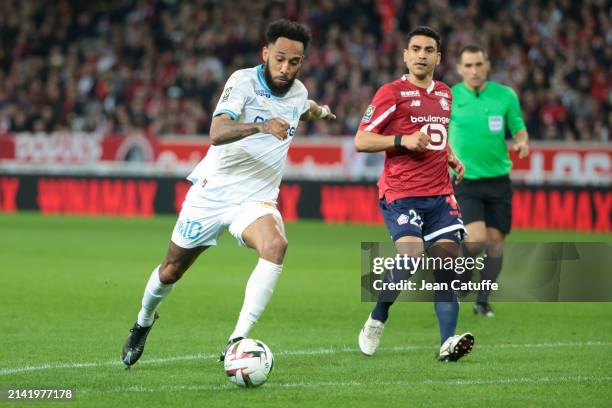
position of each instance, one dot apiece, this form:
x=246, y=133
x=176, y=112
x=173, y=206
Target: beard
x=277, y=89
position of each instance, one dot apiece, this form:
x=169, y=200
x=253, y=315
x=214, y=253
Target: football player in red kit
x=408, y=120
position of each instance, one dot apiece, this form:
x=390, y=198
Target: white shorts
x=201, y=223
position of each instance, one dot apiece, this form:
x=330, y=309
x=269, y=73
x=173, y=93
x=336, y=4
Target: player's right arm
x=371, y=142
x=225, y=126
x=224, y=129
x=380, y=113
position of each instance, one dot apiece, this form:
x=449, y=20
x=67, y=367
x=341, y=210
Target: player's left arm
x=453, y=161
x=517, y=127
x=316, y=111
x=455, y=164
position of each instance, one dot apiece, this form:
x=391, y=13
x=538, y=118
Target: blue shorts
x=430, y=218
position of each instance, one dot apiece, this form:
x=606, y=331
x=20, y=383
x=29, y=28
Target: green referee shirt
x=477, y=128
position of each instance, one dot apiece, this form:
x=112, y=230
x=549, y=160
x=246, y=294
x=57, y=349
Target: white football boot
x=456, y=347
x=370, y=334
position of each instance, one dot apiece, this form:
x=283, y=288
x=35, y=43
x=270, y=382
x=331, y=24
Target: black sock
x=386, y=298
x=492, y=269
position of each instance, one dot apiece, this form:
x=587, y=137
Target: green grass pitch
x=70, y=290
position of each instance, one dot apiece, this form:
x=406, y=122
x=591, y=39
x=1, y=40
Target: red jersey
x=402, y=108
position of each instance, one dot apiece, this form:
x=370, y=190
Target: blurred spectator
x=159, y=65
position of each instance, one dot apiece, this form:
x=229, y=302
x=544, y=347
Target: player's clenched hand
x=522, y=148
x=276, y=127
x=416, y=141
x=455, y=164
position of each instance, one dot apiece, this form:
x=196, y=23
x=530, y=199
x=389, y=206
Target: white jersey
x=250, y=169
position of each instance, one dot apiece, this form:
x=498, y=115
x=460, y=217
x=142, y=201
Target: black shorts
x=488, y=200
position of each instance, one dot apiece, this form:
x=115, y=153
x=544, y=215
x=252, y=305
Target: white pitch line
x=162, y=360
x=318, y=384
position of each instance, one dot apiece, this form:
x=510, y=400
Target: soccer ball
x=248, y=363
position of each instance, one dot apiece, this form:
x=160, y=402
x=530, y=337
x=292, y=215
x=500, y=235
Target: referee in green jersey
x=481, y=113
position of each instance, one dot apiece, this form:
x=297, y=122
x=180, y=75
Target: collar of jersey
x=428, y=89
x=262, y=82
x=468, y=90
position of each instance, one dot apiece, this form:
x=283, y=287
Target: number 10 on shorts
x=189, y=229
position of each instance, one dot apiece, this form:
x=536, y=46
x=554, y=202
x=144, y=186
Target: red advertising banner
x=547, y=207
x=313, y=159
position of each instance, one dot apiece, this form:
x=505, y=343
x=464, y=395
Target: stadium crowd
x=159, y=65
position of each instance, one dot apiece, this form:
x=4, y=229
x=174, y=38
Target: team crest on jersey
x=415, y=102
x=442, y=94
x=226, y=94
x=368, y=113
x=444, y=104
x=402, y=219
x=261, y=92
x=410, y=94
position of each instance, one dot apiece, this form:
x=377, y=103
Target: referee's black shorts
x=488, y=200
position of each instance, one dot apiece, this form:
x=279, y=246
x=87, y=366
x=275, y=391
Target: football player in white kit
x=236, y=184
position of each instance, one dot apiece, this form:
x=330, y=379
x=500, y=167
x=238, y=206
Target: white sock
x=258, y=292
x=153, y=295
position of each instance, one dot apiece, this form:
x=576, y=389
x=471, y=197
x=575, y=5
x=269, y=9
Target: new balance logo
x=410, y=94
x=442, y=94
x=415, y=102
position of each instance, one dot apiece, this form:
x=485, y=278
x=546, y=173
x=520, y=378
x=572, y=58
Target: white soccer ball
x=248, y=363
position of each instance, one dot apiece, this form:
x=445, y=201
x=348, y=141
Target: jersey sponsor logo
x=226, y=94
x=496, y=123
x=410, y=94
x=290, y=131
x=415, y=102
x=442, y=94
x=430, y=118
x=437, y=135
x=444, y=104
x=368, y=113
x=261, y=92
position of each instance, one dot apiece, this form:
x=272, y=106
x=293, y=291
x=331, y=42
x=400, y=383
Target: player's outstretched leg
x=266, y=235
x=372, y=330
x=134, y=345
x=160, y=284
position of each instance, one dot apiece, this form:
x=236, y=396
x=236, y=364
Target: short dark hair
x=427, y=32
x=288, y=29
x=472, y=48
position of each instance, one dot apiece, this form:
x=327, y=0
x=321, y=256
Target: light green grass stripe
x=318, y=384
x=321, y=351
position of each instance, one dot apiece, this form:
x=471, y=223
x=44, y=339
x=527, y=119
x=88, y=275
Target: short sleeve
x=380, y=111
x=514, y=118
x=233, y=98
x=305, y=105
